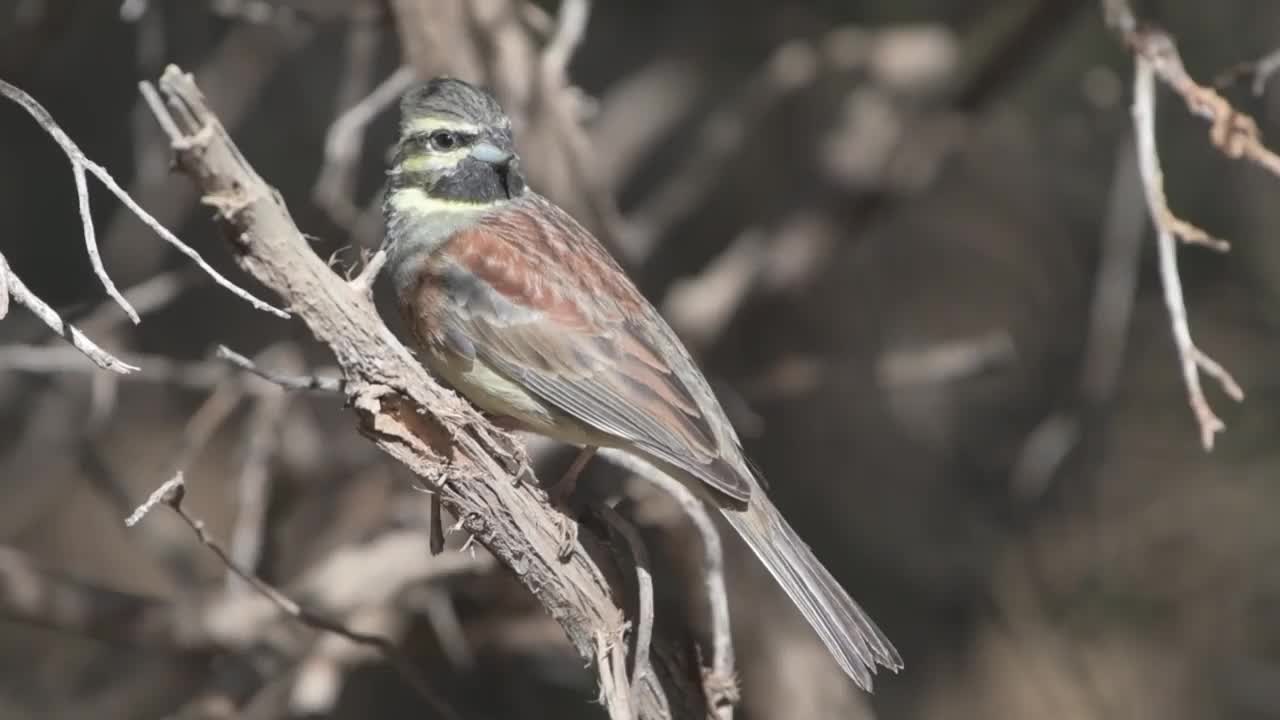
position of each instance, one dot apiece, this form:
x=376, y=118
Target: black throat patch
x=475, y=181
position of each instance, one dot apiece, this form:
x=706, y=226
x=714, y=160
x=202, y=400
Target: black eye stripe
x=421, y=141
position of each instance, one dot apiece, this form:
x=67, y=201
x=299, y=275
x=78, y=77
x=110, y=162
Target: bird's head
x=456, y=146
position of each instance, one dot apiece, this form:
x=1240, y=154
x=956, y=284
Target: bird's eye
x=443, y=140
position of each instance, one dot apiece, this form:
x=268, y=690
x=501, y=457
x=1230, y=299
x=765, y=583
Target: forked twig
x=81, y=163
x=171, y=494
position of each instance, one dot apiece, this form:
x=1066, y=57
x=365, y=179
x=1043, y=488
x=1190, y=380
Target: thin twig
x=157, y=369
x=1260, y=70
x=15, y=289
x=147, y=297
x=91, y=242
x=172, y=492
x=719, y=682
x=571, y=26
x=400, y=408
x=644, y=588
x=363, y=283
x=1234, y=133
x=1192, y=359
x=82, y=162
x=615, y=692
x=288, y=382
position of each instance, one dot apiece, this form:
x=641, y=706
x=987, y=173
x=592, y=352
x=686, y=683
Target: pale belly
x=496, y=394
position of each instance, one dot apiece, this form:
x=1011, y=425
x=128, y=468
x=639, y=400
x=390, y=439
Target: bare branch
x=91, y=243
x=719, y=684
x=80, y=163
x=644, y=587
x=15, y=289
x=615, y=692
x=288, y=382
x=363, y=283
x=1234, y=133
x=172, y=492
x=445, y=441
x=1260, y=70
x=571, y=26
x=1192, y=359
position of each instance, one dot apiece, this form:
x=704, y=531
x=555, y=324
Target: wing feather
x=581, y=340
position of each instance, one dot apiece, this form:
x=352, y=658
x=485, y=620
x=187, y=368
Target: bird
x=519, y=308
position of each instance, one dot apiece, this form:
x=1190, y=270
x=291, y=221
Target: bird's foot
x=567, y=528
x=560, y=495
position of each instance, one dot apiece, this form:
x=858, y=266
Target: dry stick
x=288, y=382
x=377, y=570
x=363, y=283
x=235, y=73
x=91, y=242
x=570, y=28
x=16, y=290
x=615, y=693
x=719, y=683
x=1260, y=70
x=1234, y=134
x=644, y=587
x=81, y=163
x=400, y=407
x=171, y=494
x=1168, y=229
x=157, y=369
x=147, y=297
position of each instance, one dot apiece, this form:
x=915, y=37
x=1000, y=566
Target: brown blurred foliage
x=879, y=224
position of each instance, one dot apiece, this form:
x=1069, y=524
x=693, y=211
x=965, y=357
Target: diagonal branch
x=80, y=163
x=171, y=494
x=11, y=287
x=473, y=466
x=1234, y=134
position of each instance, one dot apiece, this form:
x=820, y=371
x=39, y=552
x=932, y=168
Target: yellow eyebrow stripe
x=426, y=125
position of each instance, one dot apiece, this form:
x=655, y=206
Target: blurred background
x=905, y=239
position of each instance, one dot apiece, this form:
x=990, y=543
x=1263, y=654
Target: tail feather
x=850, y=636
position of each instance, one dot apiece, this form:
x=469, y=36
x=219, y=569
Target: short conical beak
x=487, y=152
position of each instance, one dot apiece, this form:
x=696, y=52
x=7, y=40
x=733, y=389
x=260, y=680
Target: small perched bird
x=519, y=308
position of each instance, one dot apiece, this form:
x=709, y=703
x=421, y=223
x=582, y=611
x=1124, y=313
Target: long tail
x=851, y=636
